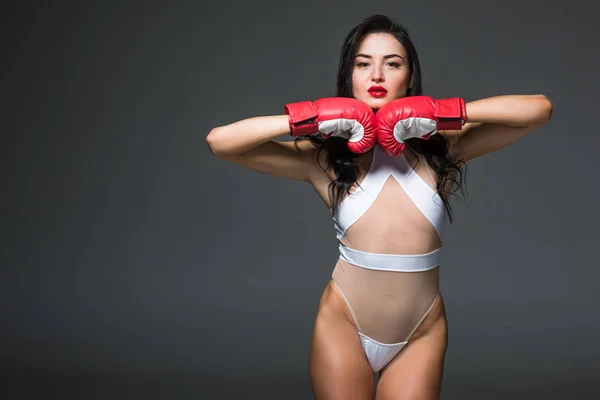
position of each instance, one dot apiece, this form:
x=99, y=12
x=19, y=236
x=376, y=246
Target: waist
x=391, y=262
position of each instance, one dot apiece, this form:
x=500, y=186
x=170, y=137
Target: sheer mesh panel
x=388, y=305
x=393, y=225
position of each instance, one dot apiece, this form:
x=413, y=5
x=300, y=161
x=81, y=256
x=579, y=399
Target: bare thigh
x=338, y=365
x=416, y=372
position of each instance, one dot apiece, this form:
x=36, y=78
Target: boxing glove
x=417, y=117
x=335, y=116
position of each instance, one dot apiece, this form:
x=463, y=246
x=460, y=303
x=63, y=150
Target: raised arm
x=251, y=142
x=495, y=122
x=241, y=136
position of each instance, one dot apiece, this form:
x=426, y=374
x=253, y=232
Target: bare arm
x=496, y=122
x=251, y=143
x=241, y=136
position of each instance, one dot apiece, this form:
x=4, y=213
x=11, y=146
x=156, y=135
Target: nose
x=377, y=75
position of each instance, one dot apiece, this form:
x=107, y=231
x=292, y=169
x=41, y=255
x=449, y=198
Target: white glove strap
x=346, y=128
x=414, y=127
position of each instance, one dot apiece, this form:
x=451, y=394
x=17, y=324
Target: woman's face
x=381, y=70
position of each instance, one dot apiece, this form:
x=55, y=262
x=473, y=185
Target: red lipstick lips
x=377, y=91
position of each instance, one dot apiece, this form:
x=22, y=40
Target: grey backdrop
x=137, y=265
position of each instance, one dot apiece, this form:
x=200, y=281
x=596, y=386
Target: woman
x=388, y=191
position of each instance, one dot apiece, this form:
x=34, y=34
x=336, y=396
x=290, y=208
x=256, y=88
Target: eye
x=395, y=64
x=362, y=64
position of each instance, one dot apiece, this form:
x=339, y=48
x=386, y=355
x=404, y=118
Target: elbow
x=549, y=107
x=214, y=142
x=545, y=108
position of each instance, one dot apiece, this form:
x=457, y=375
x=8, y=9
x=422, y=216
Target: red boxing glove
x=417, y=116
x=335, y=116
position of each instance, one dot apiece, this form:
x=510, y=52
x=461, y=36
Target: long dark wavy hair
x=343, y=161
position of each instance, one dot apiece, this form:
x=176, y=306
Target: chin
x=376, y=104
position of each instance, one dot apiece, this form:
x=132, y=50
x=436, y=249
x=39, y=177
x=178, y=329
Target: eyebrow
x=385, y=57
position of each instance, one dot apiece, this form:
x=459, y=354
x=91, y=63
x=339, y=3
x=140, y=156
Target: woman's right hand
x=252, y=142
x=335, y=116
